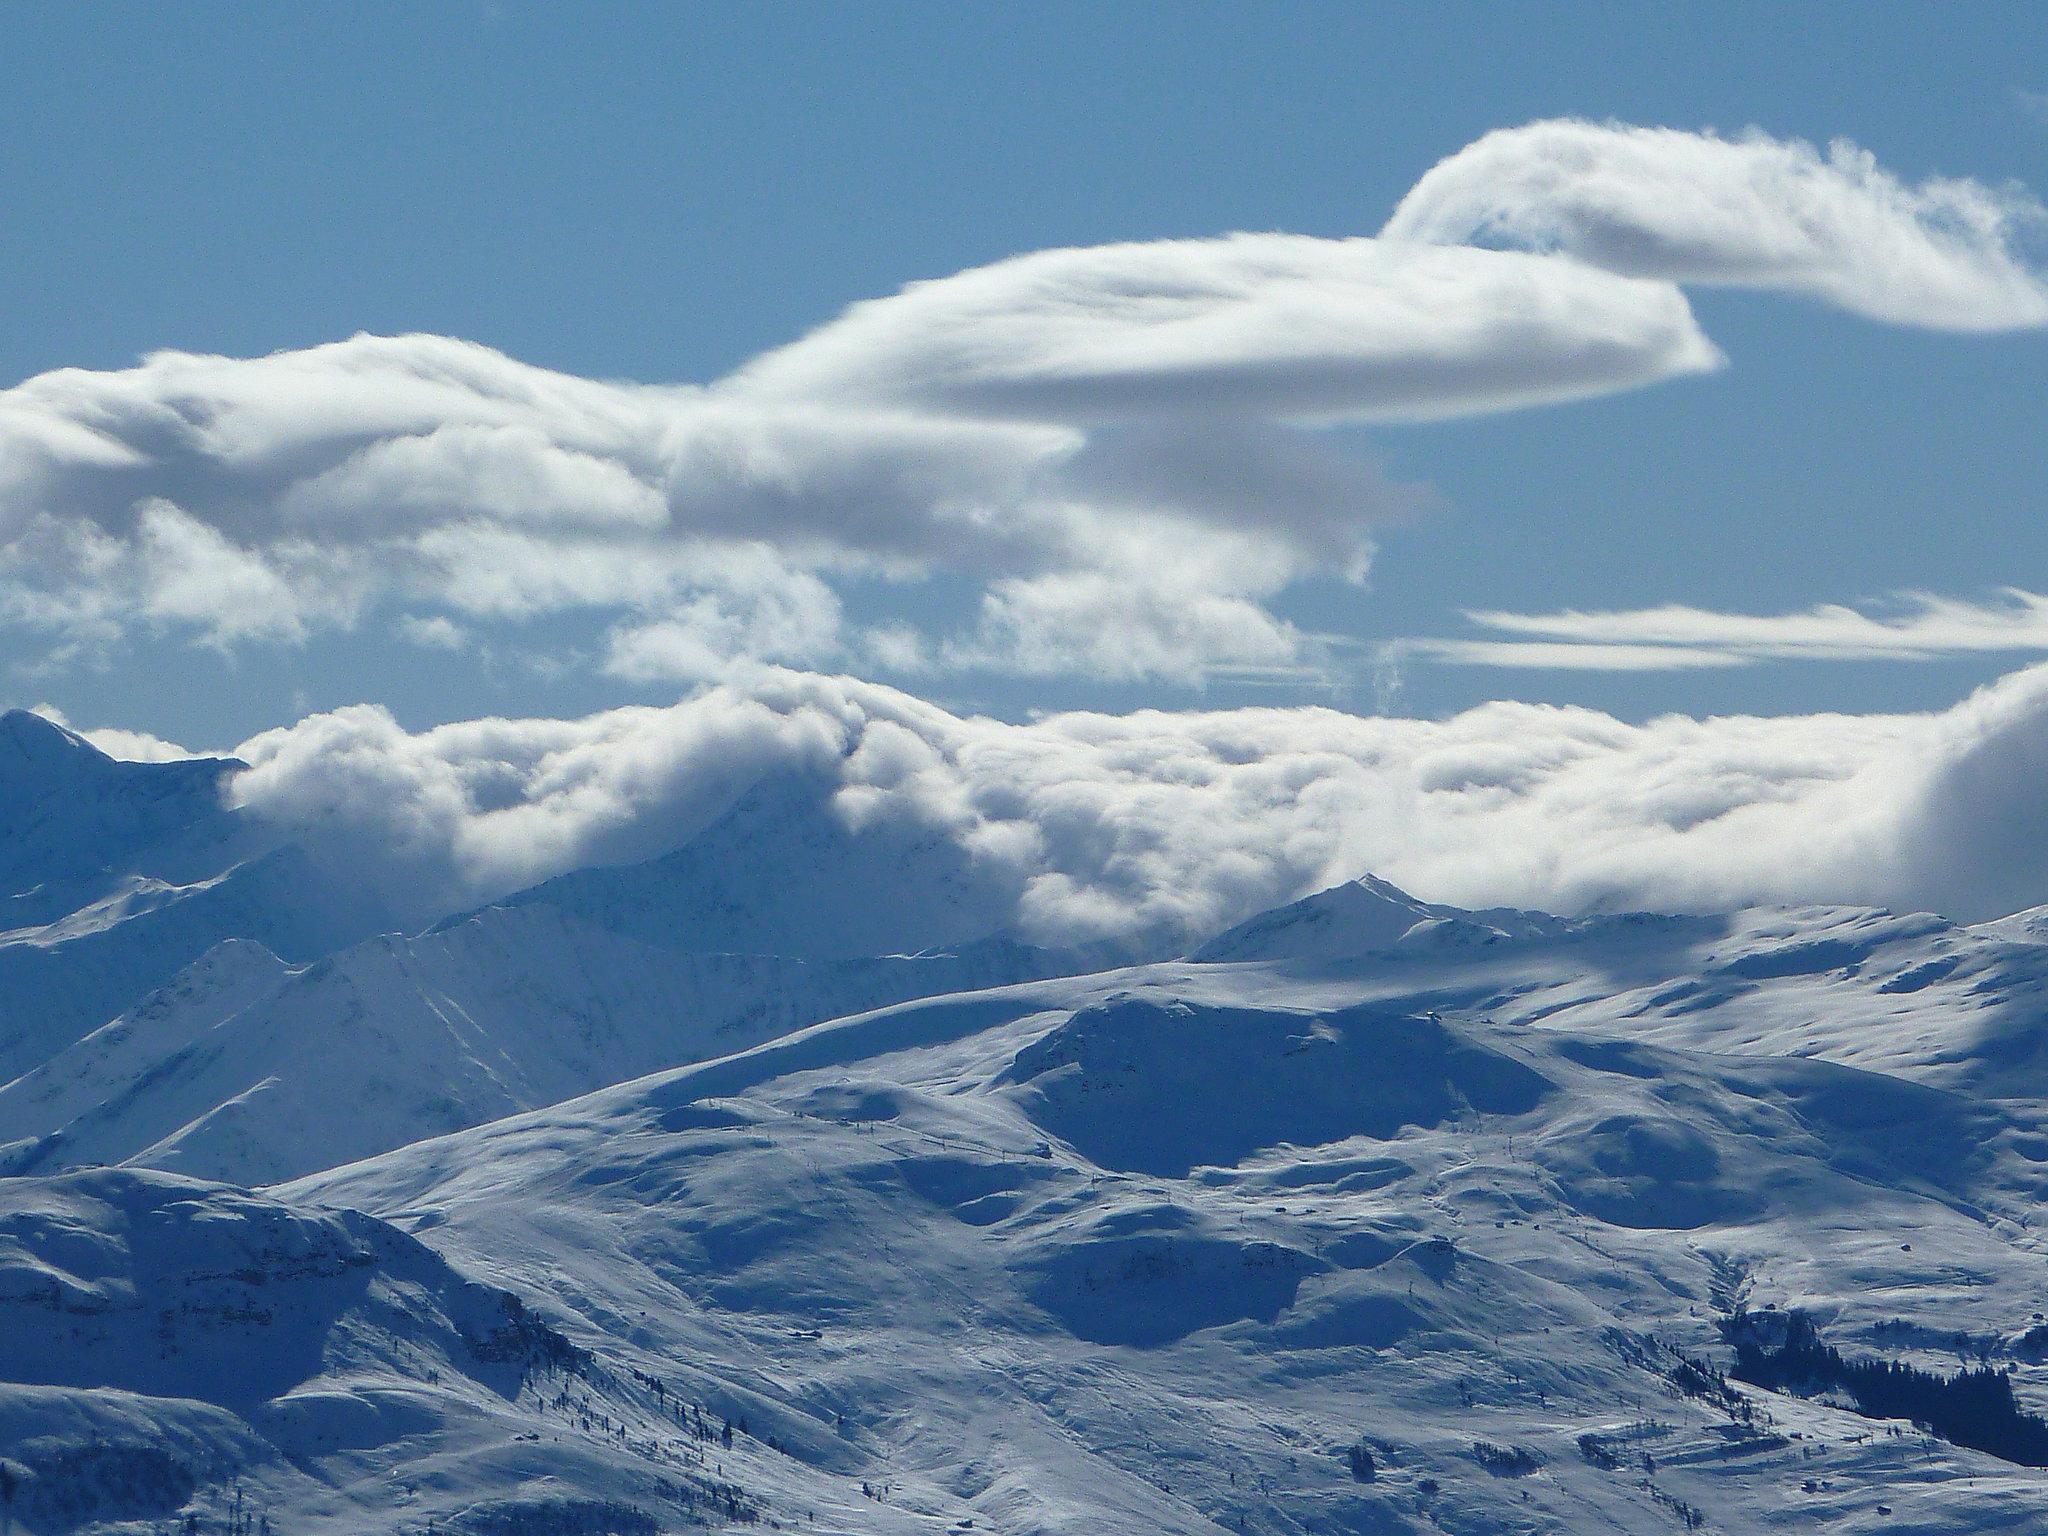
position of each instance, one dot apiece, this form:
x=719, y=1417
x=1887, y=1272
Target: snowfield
x=649, y=1200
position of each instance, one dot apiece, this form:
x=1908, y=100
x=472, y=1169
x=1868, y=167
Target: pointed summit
x=35, y=744
x=1363, y=917
x=1356, y=917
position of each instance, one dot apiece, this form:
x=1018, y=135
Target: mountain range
x=776, y=1182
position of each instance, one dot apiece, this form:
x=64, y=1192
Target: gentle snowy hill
x=1183, y=1248
x=246, y=1069
x=114, y=876
x=1372, y=1216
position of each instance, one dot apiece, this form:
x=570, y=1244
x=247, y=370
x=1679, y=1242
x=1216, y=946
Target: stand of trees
x=1974, y=1408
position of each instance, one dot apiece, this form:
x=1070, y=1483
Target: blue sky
x=660, y=194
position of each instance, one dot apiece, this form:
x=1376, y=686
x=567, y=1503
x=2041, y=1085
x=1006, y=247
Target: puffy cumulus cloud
x=1974, y=830
x=1184, y=822
x=1750, y=212
x=1915, y=626
x=483, y=807
x=1264, y=326
x=232, y=501
x=1115, y=451
x=782, y=616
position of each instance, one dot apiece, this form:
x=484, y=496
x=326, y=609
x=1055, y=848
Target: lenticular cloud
x=1044, y=433
x=1259, y=326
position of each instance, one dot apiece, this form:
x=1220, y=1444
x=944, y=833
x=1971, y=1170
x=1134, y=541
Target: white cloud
x=782, y=616
x=1915, y=626
x=1750, y=212
x=1113, y=451
x=1281, y=327
x=1099, y=823
x=128, y=746
x=510, y=474
x=1563, y=656
x=255, y=500
x=1124, y=629
x=436, y=632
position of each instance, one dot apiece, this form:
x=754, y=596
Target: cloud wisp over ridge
x=1054, y=433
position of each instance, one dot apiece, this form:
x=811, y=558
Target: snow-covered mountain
x=246, y=1049
x=1371, y=1215
x=115, y=875
x=1253, y=1247
x=177, y=1350
x=782, y=872
x=1361, y=918
x=247, y=1069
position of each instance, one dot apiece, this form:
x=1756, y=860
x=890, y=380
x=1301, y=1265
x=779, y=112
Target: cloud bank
x=1186, y=821
x=1115, y=452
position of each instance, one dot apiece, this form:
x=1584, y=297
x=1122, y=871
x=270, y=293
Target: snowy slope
x=516, y=1007
x=114, y=876
x=1152, y=1251
x=1163, y=1248
x=1909, y=993
x=246, y=1069
x=777, y=915
x=175, y=1349
x=72, y=820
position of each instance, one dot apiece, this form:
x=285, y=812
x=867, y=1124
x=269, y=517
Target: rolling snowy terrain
x=568, y=1214
x=1158, y=1250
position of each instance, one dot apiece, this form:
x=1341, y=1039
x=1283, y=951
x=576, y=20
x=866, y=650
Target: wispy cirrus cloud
x=1913, y=626
x=1562, y=655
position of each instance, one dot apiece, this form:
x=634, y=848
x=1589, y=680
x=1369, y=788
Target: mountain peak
x=780, y=872
x=1357, y=917
x=30, y=740
x=31, y=734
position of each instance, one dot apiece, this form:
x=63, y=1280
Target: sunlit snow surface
x=1146, y=1250
x=1151, y=1250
